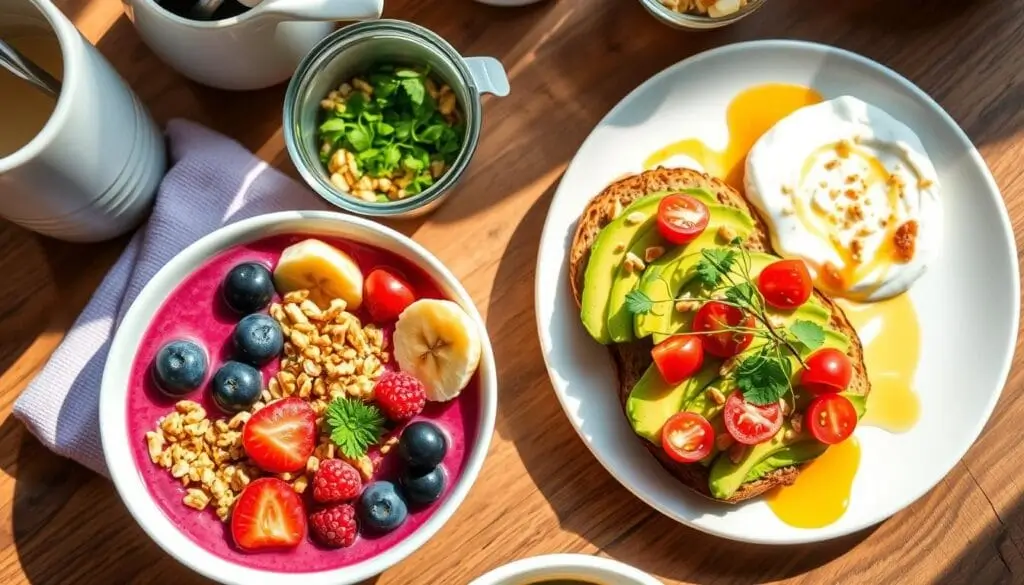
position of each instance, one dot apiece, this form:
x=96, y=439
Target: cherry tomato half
x=715, y=316
x=749, y=423
x=678, y=357
x=785, y=284
x=386, y=295
x=831, y=418
x=828, y=370
x=682, y=218
x=687, y=437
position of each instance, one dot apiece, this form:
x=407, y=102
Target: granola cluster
x=328, y=353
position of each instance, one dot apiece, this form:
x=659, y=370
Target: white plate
x=967, y=303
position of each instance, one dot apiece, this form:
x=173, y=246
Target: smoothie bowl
x=300, y=395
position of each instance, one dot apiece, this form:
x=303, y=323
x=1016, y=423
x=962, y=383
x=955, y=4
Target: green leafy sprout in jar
x=390, y=133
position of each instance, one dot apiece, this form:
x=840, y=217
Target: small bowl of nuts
x=303, y=396
x=382, y=118
x=701, y=14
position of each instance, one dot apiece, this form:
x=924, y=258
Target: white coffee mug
x=91, y=172
x=256, y=49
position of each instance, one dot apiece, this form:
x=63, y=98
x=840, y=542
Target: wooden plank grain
x=540, y=491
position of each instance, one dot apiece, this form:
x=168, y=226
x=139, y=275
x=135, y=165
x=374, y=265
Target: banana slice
x=327, y=272
x=439, y=343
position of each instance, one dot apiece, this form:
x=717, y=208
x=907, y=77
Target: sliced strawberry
x=281, y=436
x=268, y=514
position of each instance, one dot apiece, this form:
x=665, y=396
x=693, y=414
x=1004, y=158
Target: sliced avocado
x=726, y=477
x=795, y=454
x=636, y=222
x=606, y=256
x=652, y=401
x=620, y=320
x=665, y=277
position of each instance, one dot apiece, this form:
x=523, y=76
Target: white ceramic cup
x=92, y=171
x=256, y=49
x=585, y=568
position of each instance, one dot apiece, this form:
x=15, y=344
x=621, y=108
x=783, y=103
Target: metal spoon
x=20, y=66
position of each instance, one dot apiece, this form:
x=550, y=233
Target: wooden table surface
x=540, y=490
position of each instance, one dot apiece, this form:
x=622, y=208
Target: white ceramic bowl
x=114, y=425
x=967, y=303
x=583, y=567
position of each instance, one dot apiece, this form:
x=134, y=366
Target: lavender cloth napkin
x=213, y=181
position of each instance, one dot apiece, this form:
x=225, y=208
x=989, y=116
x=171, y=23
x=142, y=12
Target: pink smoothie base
x=194, y=310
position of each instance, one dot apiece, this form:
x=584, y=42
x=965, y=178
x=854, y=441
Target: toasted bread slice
x=633, y=359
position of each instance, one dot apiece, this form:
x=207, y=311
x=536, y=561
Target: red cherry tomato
x=678, y=357
x=682, y=218
x=687, y=437
x=828, y=370
x=831, y=418
x=715, y=316
x=749, y=423
x=785, y=284
x=386, y=295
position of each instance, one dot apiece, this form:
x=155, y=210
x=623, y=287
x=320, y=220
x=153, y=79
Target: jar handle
x=320, y=10
x=488, y=75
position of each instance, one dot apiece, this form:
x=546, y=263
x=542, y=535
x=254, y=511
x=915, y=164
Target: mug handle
x=322, y=10
x=488, y=75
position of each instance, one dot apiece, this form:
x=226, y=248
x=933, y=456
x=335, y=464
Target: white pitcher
x=256, y=49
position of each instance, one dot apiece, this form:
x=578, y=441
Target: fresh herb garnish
x=355, y=425
x=724, y=275
x=399, y=123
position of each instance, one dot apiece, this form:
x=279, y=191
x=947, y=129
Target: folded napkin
x=213, y=181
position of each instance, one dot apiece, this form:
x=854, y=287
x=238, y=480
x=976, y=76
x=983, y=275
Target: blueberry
x=258, y=339
x=423, y=488
x=380, y=508
x=180, y=367
x=248, y=288
x=236, y=386
x=422, y=445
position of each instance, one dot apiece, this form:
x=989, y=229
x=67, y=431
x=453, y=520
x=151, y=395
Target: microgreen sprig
x=724, y=273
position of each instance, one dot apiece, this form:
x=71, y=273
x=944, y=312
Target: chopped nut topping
x=726, y=233
x=924, y=183
x=687, y=305
x=635, y=218
x=633, y=263
x=616, y=208
x=905, y=241
x=619, y=248
x=831, y=165
x=843, y=148
x=653, y=253
x=716, y=395
x=857, y=250
x=851, y=179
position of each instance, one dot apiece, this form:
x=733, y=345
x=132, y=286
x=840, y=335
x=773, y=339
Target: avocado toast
x=617, y=228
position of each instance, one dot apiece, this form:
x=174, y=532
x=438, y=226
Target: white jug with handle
x=256, y=49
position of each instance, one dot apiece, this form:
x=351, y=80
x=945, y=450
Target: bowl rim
x=607, y=567
x=327, y=49
x=554, y=225
x=698, y=21
x=117, y=443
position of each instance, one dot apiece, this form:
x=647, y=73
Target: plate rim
x=551, y=228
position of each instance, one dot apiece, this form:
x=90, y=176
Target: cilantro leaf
x=358, y=138
x=808, y=333
x=741, y=294
x=714, y=264
x=638, y=303
x=414, y=89
x=762, y=379
x=355, y=425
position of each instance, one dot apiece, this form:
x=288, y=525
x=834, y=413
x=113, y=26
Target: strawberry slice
x=281, y=436
x=268, y=514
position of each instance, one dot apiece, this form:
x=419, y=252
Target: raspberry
x=335, y=481
x=401, y=396
x=335, y=526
